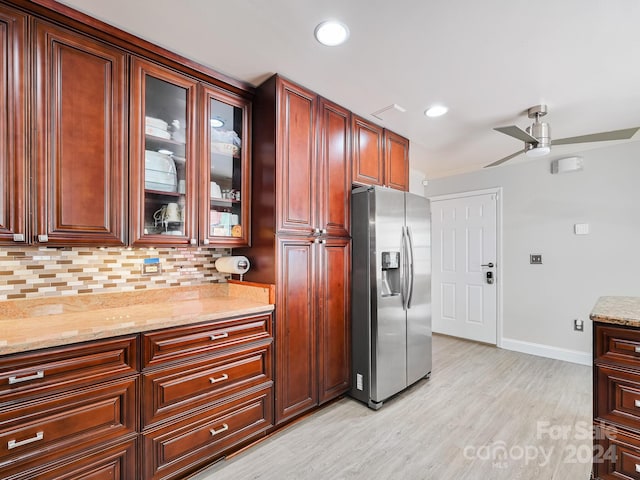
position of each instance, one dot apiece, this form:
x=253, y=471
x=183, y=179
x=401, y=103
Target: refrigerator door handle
x=411, y=272
x=403, y=271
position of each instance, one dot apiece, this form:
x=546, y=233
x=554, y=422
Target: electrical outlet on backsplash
x=31, y=272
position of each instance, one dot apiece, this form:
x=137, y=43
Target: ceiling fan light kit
x=537, y=136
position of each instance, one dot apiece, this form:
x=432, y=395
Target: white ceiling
x=487, y=60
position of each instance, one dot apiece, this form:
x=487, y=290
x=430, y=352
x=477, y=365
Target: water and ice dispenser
x=390, y=262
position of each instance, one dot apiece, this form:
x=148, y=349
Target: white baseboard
x=573, y=356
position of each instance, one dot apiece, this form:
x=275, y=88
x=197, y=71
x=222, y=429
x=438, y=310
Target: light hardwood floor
x=485, y=414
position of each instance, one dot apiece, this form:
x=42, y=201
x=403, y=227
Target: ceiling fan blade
x=624, y=134
x=502, y=160
x=518, y=133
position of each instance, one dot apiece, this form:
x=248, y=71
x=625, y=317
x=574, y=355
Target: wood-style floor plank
x=485, y=414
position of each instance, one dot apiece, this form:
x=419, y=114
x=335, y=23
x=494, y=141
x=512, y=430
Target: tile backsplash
x=32, y=272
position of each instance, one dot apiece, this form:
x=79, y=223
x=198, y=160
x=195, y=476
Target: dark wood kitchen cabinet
x=616, y=401
x=163, y=156
x=368, y=152
x=396, y=161
x=380, y=156
x=82, y=103
x=206, y=389
x=190, y=163
x=70, y=412
x=81, y=153
x=13, y=127
x=301, y=225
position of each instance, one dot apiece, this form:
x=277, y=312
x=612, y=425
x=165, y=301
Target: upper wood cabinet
x=163, y=161
x=396, y=160
x=296, y=158
x=108, y=140
x=190, y=163
x=334, y=169
x=225, y=175
x=368, y=151
x=380, y=157
x=13, y=127
x=80, y=167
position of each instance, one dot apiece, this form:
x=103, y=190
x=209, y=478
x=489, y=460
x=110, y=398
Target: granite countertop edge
x=617, y=310
x=54, y=330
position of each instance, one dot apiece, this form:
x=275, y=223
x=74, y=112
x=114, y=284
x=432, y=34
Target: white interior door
x=464, y=254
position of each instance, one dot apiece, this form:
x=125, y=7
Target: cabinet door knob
x=324, y=231
x=193, y=241
x=205, y=241
x=43, y=238
x=323, y=241
x=223, y=428
x=18, y=237
x=316, y=231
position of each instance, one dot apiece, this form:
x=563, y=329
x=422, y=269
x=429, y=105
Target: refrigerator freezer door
x=388, y=320
x=418, y=221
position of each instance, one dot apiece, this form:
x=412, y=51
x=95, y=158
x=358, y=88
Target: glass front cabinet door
x=226, y=173
x=164, y=158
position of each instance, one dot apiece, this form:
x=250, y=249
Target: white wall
x=539, y=212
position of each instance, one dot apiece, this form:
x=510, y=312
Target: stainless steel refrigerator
x=391, y=293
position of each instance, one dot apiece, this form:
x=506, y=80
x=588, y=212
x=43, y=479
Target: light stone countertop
x=617, y=310
x=40, y=323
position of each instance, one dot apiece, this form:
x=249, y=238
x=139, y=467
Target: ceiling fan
x=537, y=136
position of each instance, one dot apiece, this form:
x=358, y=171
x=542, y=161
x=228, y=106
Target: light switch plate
x=581, y=228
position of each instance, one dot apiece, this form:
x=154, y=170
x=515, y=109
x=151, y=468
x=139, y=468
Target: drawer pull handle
x=637, y=349
x=218, y=336
x=637, y=468
x=224, y=376
x=637, y=403
x=14, y=443
x=223, y=428
x=38, y=374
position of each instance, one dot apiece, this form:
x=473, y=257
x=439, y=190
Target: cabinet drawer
x=186, y=342
x=617, y=345
x=616, y=455
x=55, y=426
x=26, y=374
x=182, y=388
x=117, y=462
x=618, y=397
x=178, y=449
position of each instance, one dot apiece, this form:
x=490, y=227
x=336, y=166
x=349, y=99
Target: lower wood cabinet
x=313, y=323
x=181, y=447
x=616, y=402
x=96, y=411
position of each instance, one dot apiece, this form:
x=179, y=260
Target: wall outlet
x=535, y=259
x=359, y=381
x=578, y=325
x=151, y=266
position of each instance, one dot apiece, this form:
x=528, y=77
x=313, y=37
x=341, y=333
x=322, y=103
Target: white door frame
x=497, y=191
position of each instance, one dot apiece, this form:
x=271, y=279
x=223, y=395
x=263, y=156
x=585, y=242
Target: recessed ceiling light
x=331, y=33
x=436, y=111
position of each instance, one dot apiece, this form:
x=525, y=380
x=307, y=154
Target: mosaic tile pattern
x=31, y=272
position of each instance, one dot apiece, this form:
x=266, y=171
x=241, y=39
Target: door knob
x=490, y=265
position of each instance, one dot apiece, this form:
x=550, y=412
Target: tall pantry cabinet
x=300, y=224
